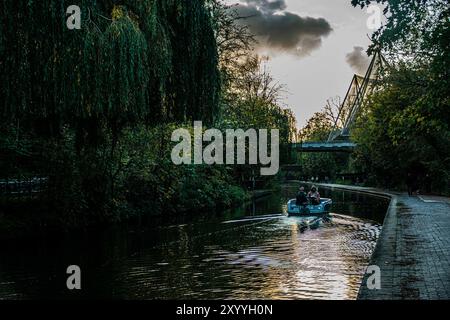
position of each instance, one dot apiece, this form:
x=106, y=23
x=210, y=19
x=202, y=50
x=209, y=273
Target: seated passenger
x=314, y=196
x=301, y=199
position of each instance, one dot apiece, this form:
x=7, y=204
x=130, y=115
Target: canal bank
x=413, y=248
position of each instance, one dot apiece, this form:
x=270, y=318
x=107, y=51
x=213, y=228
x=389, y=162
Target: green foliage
x=414, y=27
x=317, y=128
x=143, y=60
x=321, y=165
x=406, y=129
x=93, y=109
x=153, y=185
x=72, y=99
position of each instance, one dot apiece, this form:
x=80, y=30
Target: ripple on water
x=264, y=258
x=271, y=260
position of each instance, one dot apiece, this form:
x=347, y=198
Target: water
x=252, y=252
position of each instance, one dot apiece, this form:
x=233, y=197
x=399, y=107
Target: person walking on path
x=410, y=182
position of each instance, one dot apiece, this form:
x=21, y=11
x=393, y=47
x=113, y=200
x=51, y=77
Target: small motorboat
x=309, y=210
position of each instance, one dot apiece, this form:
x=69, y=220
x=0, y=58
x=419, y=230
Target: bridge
x=338, y=146
x=360, y=87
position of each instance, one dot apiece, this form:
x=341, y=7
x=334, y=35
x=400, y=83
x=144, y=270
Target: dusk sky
x=308, y=42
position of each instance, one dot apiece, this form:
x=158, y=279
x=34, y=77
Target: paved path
x=413, y=251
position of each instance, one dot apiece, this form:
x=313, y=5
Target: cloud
x=358, y=60
x=280, y=30
x=267, y=4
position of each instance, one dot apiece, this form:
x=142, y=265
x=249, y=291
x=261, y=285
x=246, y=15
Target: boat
x=309, y=210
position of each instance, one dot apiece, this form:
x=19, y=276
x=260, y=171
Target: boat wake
x=255, y=218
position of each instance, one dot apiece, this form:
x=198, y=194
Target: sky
x=315, y=47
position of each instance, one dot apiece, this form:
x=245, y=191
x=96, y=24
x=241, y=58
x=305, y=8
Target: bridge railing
x=336, y=146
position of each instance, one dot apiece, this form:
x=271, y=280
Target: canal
x=253, y=252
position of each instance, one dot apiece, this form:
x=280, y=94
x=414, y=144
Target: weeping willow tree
x=132, y=63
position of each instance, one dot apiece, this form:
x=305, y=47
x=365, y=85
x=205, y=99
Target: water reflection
x=250, y=253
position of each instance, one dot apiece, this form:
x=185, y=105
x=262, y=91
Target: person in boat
x=314, y=196
x=302, y=199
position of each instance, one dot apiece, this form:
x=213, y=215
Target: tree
x=407, y=125
x=400, y=135
x=73, y=93
x=234, y=40
x=318, y=129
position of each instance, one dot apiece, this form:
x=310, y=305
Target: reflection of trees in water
x=204, y=258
